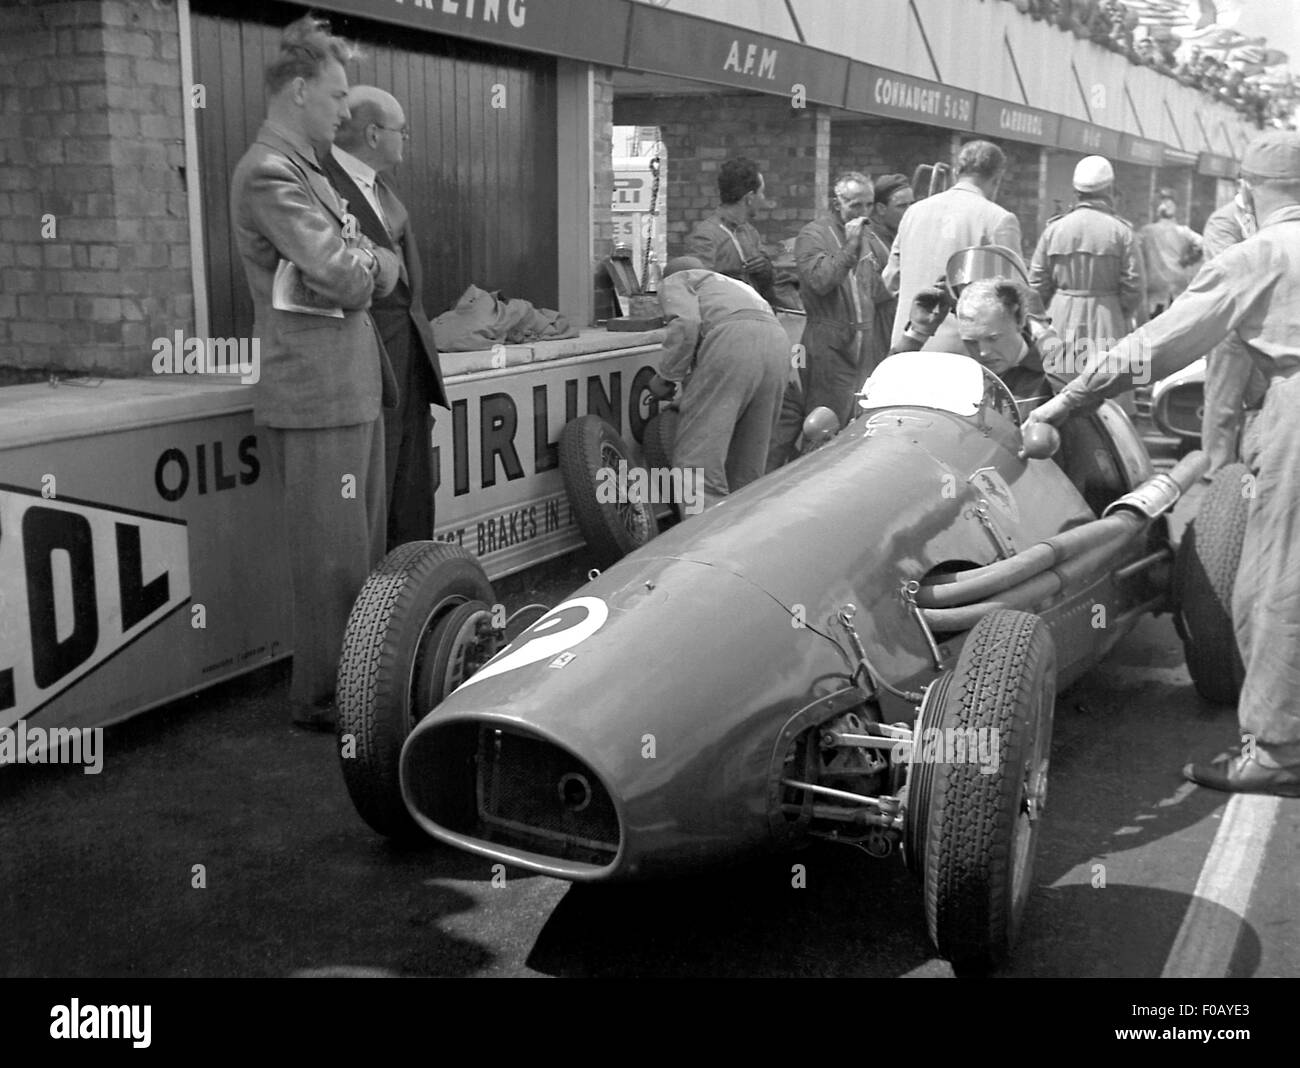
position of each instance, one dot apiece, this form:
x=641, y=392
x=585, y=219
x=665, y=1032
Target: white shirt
x=364, y=176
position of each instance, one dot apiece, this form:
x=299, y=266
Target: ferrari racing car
x=862, y=647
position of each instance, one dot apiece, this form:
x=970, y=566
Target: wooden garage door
x=480, y=182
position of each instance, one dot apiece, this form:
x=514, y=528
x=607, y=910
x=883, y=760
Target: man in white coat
x=936, y=227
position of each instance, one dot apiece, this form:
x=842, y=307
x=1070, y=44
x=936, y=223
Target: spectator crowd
x=1239, y=71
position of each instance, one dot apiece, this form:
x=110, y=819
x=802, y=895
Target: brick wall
x=885, y=146
x=1021, y=192
x=94, y=242
x=602, y=187
x=602, y=161
x=888, y=146
x=790, y=145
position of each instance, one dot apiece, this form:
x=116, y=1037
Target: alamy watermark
x=655, y=485
x=1130, y=356
x=181, y=355
x=952, y=745
x=22, y=744
x=75, y=1020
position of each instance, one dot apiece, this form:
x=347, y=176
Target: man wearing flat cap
x=1250, y=291
x=1086, y=268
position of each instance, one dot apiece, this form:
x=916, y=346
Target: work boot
x=1244, y=774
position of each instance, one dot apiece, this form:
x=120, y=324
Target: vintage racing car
x=862, y=647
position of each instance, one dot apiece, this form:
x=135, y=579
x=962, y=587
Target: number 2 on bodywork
x=563, y=627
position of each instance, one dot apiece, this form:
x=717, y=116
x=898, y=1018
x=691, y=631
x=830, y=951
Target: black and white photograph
x=650, y=489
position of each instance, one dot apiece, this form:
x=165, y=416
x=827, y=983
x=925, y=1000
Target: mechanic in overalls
x=727, y=241
x=1087, y=270
x=1224, y=417
x=840, y=288
x=727, y=346
x=1252, y=291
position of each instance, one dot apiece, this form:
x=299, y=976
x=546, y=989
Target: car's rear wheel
x=978, y=786
x=591, y=452
x=657, y=440
x=420, y=626
x=1205, y=573
x=658, y=437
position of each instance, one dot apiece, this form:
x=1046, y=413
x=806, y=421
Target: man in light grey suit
x=936, y=227
x=324, y=380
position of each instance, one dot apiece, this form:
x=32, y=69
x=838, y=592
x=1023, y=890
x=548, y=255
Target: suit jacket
x=316, y=371
x=403, y=308
x=931, y=231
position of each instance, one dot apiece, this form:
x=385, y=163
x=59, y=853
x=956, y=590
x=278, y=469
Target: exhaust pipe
x=956, y=602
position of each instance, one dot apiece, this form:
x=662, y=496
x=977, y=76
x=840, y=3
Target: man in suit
x=324, y=378
x=936, y=227
x=367, y=147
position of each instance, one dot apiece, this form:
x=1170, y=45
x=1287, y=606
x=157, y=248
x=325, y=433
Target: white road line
x=1214, y=919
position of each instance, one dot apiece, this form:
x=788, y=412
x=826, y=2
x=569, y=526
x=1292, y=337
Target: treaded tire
x=395, y=662
x=982, y=827
x=658, y=436
x=1205, y=572
x=589, y=445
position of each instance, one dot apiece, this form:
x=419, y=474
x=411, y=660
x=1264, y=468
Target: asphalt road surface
x=219, y=841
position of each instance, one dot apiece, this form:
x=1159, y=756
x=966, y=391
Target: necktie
x=376, y=202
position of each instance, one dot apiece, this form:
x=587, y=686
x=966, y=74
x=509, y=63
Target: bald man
x=367, y=147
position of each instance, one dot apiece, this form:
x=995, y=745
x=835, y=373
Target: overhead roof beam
x=1083, y=97
x=1015, y=67
x=925, y=40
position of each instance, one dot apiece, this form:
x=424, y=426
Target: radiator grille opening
x=509, y=788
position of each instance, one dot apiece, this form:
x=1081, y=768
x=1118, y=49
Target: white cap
x=1093, y=174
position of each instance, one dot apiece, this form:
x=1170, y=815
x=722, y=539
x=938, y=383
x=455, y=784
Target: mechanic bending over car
x=1251, y=291
x=725, y=344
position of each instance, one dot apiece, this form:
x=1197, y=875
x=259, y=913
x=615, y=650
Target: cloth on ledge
x=481, y=319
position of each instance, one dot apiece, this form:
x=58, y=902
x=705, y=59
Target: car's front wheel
x=1205, y=573
x=977, y=787
x=420, y=626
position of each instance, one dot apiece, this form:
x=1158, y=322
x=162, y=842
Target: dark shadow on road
x=1122, y=735
x=1119, y=931
x=855, y=916
x=219, y=840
